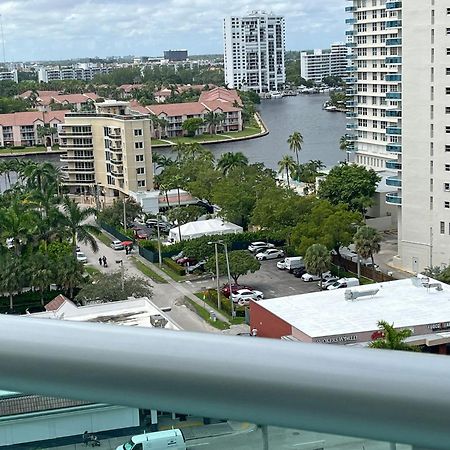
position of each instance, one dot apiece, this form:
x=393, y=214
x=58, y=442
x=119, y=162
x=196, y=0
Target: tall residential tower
x=254, y=47
x=399, y=83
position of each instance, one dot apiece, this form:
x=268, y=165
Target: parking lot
x=277, y=283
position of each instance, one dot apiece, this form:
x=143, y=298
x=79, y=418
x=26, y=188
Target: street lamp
x=159, y=239
x=217, y=273
x=120, y=261
x=228, y=273
x=357, y=225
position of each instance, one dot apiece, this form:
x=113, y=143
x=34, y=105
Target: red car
x=184, y=261
x=234, y=289
x=141, y=234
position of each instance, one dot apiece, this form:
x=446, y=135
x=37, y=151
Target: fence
x=148, y=254
x=366, y=272
x=117, y=234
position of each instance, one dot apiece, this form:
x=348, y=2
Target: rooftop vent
x=354, y=295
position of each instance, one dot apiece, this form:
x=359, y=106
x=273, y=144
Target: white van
x=159, y=440
x=293, y=262
x=343, y=283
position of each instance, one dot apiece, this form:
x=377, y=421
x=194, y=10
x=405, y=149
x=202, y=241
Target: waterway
x=321, y=132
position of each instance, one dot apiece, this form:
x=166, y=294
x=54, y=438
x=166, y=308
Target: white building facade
x=254, y=47
x=83, y=71
x=11, y=75
x=414, y=105
x=317, y=64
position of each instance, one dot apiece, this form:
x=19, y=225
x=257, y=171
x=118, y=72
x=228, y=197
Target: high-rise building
x=406, y=47
x=9, y=75
x=176, y=55
x=108, y=151
x=254, y=47
x=317, y=64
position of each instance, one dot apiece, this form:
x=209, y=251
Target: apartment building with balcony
x=374, y=82
x=172, y=115
x=317, y=64
x=21, y=128
x=46, y=100
x=84, y=72
x=9, y=75
x=108, y=152
x=254, y=47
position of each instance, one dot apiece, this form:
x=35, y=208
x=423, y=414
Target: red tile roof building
x=46, y=98
x=173, y=115
x=21, y=128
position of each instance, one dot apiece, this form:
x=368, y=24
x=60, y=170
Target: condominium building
x=317, y=64
x=414, y=92
x=254, y=47
x=11, y=75
x=108, y=151
x=84, y=72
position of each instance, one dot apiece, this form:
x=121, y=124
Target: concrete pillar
x=153, y=420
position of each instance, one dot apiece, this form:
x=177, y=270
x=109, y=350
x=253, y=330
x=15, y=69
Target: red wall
x=267, y=324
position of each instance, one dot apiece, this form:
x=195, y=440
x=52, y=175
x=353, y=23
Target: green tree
x=288, y=166
x=185, y=214
x=213, y=120
x=350, y=184
x=108, y=288
x=229, y=160
x=393, y=339
x=192, y=125
x=41, y=273
x=295, y=142
x=113, y=214
x=367, y=243
x=74, y=221
x=241, y=263
x=317, y=260
x=70, y=274
x=11, y=275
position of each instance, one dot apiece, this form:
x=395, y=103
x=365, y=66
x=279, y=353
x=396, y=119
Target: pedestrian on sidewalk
x=86, y=438
x=104, y=261
x=100, y=261
x=126, y=250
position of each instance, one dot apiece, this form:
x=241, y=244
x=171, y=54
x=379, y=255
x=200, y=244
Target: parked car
x=117, y=245
x=81, y=257
x=281, y=264
x=259, y=246
x=243, y=296
x=270, y=253
x=141, y=233
x=177, y=256
x=293, y=262
x=234, y=289
x=200, y=266
x=184, y=260
x=343, y=283
x=328, y=282
x=299, y=272
x=312, y=277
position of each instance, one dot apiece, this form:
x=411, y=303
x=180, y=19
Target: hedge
x=180, y=270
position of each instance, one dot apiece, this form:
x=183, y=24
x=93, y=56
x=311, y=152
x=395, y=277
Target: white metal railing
x=376, y=394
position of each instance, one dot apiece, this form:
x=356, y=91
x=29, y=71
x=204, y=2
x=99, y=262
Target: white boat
x=275, y=94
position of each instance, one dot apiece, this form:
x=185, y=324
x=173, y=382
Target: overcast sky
x=56, y=29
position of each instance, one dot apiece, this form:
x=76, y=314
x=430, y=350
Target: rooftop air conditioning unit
x=354, y=295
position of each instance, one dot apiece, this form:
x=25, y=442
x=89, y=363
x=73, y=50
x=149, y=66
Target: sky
x=59, y=29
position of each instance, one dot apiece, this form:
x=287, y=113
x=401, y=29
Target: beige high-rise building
x=108, y=151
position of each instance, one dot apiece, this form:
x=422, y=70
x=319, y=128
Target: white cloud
x=44, y=29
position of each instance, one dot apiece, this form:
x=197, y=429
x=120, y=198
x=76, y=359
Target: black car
x=299, y=272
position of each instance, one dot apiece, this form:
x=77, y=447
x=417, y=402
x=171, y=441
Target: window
x=442, y=227
x=138, y=145
x=138, y=132
x=140, y=171
x=141, y=183
x=448, y=51
x=447, y=129
x=447, y=110
x=447, y=71
x=447, y=90
x=447, y=205
x=448, y=30
x=139, y=158
x=447, y=187
x=447, y=167
x=447, y=148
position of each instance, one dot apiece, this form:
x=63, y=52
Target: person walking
x=100, y=261
x=86, y=438
x=105, y=264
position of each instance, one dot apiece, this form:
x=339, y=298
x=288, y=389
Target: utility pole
x=124, y=214
x=159, y=240
x=217, y=274
x=229, y=277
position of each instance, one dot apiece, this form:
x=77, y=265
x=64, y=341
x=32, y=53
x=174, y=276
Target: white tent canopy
x=209, y=227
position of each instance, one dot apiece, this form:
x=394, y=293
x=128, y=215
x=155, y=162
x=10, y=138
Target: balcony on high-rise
x=394, y=198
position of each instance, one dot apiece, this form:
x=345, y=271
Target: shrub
x=17, y=147
x=180, y=270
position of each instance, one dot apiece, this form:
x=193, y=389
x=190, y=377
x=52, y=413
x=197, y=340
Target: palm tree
x=393, y=339
x=41, y=273
x=70, y=274
x=74, y=220
x=295, y=142
x=213, y=119
x=179, y=148
x=287, y=165
x=317, y=260
x=192, y=150
x=229, y=161
x=11, y=275
x=367, y=243
x=344, y=144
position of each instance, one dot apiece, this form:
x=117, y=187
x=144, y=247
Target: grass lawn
x=148, y=271
x=91, y=270
x=8, y=151
x=212, y=302
x=199, y=139
x=340, y=272
x=205, y=315
x=158, y=142
x=105, y=239
x=247, y=131
x=172, y=274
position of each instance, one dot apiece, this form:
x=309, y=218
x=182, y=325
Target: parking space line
x=292, y=289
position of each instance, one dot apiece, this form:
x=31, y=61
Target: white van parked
x=293, y=262
x=159, y=440
x=343, y=283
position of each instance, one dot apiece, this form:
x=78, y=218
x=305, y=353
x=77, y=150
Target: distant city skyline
x=45, y=30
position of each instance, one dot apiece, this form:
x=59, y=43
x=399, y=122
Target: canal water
x=321, y=132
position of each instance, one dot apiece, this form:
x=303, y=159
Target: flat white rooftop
x=406, y=303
